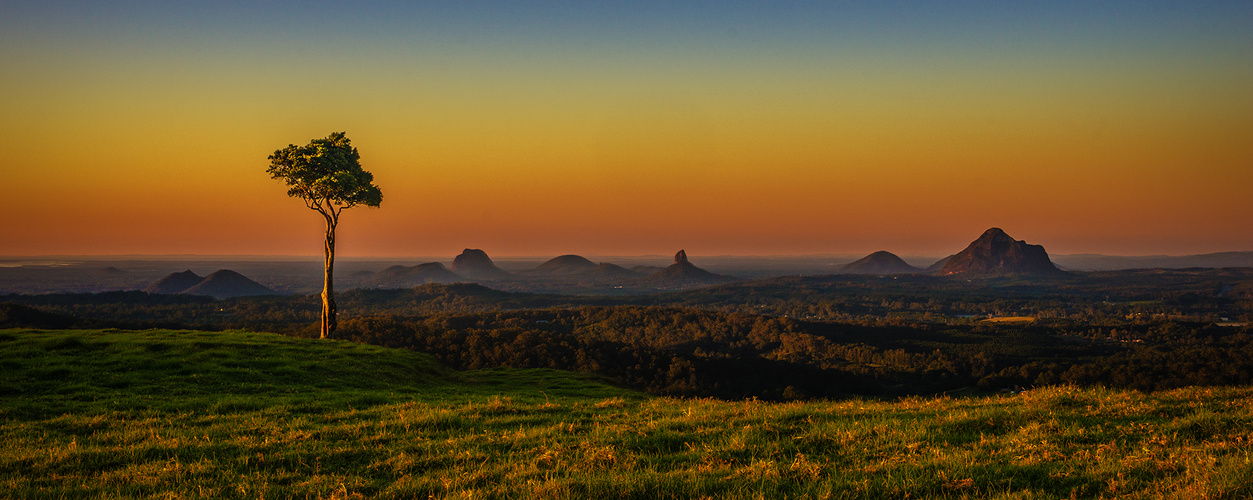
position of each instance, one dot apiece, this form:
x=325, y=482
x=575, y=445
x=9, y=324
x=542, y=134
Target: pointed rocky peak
x=996, y=252
x=683, y=272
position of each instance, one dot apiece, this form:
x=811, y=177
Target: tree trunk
x=328, y=285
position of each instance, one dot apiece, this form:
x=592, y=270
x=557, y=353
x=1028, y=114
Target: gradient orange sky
x=143, y=128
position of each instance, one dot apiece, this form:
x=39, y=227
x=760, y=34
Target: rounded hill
x=880, y=262
x=225, y=284
x=565, y=265
x=430, y=272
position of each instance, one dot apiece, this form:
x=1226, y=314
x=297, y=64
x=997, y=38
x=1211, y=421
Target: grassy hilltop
x=186, y=414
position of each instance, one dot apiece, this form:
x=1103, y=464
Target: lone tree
x=327, y=175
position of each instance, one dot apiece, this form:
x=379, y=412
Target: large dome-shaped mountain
x=878, y=263
x=421, y=274
x=175, y=282
x=225, y=284
x=476, y=265
x=997, y=253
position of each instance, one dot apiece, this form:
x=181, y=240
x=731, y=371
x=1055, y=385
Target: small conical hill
x=225, y=284
x=175, y=283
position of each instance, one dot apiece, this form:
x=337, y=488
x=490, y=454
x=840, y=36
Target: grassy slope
x=233, y=414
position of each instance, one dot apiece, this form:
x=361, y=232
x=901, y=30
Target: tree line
x=794, y=338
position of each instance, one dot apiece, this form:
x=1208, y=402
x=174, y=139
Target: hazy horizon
x=753, y=129
x=449, y=257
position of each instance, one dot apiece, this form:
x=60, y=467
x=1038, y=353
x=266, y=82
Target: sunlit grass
x=87, y=414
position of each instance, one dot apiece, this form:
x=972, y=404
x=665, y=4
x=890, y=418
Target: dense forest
x=786, y=338
x=690, y=352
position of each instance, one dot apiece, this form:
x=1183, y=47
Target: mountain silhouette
x=175, y=283
x=225, y=284
x=997, y=253
x=878, y=263
x=683, y=272
x=430, y=272
x=476, y=265
x=565, y=265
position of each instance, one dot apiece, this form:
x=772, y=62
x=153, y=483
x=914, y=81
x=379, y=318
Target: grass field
x=181, y=414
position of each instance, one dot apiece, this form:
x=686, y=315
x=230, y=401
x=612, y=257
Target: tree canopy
x=326, y=174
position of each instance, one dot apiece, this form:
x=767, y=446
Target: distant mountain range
x=993, y=253
x=474, y=265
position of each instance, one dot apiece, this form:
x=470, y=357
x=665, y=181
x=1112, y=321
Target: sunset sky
x=545, y=128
